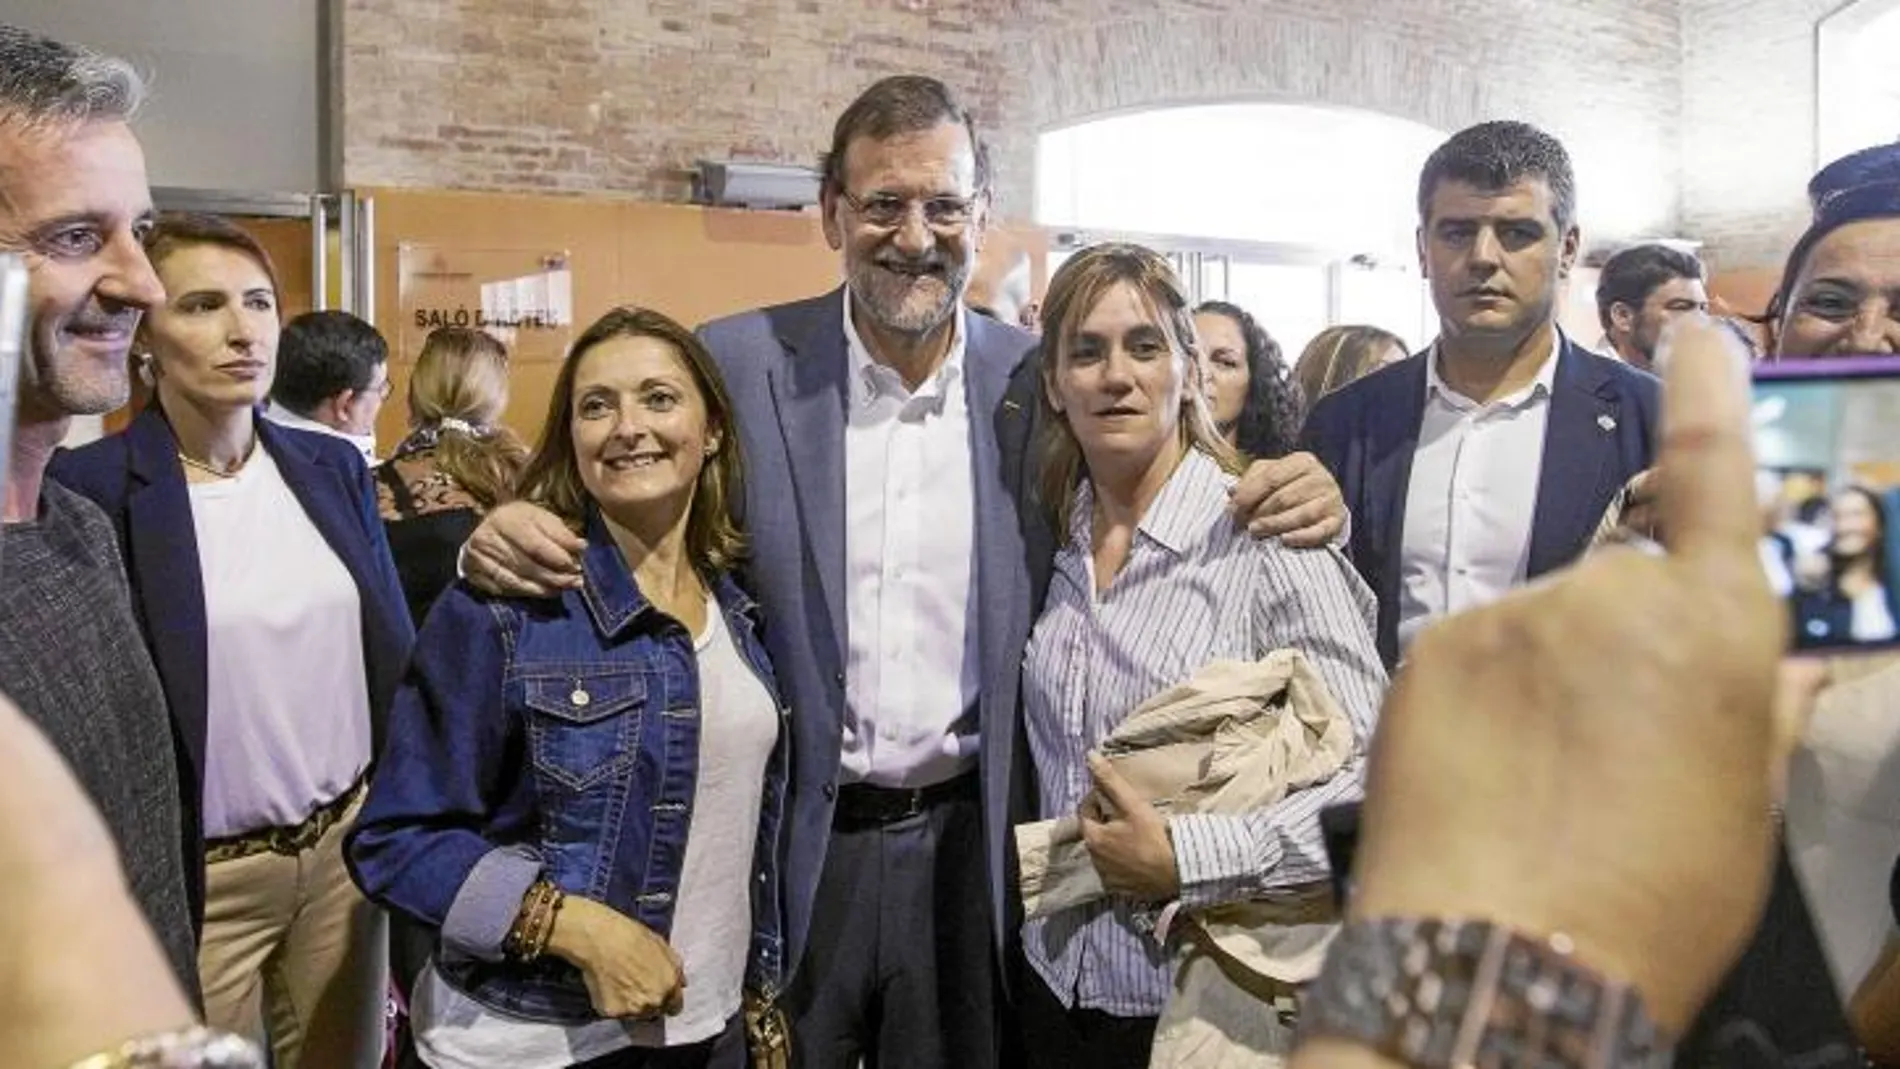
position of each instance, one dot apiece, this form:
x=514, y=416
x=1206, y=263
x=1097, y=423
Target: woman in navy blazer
x=265, y=588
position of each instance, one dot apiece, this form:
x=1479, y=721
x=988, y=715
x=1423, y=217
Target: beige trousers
x=294, y=955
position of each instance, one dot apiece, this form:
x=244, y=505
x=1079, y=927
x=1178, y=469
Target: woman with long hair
x=1255, y=405
x=1153, y=582
x=582, y=794
x=457, y=462
x=1855, y=602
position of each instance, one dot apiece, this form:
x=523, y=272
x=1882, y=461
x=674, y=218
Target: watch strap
x=185, y=1048
x=1451, y=994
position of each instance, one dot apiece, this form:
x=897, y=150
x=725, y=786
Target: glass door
x=1389, y=296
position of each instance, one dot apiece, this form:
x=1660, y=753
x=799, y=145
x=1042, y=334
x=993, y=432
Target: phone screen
x=1827, y=453
x=12, y=345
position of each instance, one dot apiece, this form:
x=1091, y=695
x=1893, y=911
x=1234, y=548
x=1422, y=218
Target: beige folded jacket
x=1237, y=736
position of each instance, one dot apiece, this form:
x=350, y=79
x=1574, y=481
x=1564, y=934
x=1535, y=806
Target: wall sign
x=525, y=297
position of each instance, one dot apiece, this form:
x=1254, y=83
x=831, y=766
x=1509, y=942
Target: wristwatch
x=185, y=1048
x=1451, y=994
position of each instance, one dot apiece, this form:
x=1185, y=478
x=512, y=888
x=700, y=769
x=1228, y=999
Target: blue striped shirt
x=1195, y=588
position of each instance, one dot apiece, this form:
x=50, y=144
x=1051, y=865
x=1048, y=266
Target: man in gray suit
x=900, y=564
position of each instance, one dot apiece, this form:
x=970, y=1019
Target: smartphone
x=13, y=317
x=1827, y=455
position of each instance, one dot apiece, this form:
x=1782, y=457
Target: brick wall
x=1748, y=145
x=622, y=97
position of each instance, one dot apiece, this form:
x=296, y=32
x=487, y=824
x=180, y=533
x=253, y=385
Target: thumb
x=1108, y=779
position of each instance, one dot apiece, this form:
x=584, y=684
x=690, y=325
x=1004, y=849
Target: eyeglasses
x=886, y=211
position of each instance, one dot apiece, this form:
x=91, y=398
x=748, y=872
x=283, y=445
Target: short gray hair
x=44, y=82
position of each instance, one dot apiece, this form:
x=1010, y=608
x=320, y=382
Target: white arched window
x=1858, y=103
x=1303, y=215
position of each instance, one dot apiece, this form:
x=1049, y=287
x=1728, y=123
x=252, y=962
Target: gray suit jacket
x=787, y=369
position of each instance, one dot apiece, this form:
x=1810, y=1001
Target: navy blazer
x=787, y=369
x=1602, y=432
x=136, y=478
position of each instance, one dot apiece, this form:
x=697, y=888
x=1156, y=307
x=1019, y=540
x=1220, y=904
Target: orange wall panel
x=691, y=262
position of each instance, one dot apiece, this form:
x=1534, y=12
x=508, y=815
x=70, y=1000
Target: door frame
x=354, y=216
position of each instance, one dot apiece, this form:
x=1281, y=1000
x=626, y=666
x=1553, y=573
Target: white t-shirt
x=1872, y=621
x=287, y=696
x=712, y=918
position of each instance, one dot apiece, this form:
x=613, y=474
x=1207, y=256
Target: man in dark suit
x=1491, y=457
x=900, y=561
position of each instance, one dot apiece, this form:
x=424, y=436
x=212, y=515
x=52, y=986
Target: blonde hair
x=459, y=387
x=1078, y=286
x=552, y=478
x=1340, y=356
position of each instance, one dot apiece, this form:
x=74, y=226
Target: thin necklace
x=222, y=473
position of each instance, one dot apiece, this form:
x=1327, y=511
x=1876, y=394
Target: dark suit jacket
x=787, y=370
x=1602, y=432
x=136, y=478
x=1825, y=617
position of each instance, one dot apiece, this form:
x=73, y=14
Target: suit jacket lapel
x=167, y=585
x=1002, y=569
x=810, y=390
x=1389, y=483
x=1579, y=448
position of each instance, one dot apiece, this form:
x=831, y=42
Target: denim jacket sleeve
x=421, y=844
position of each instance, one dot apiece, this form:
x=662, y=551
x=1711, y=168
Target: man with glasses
x=899, y=565
x=332, y=378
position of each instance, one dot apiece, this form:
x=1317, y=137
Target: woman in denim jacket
x=584, y=793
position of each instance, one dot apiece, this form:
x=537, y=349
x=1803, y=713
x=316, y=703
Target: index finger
x=1707, y=465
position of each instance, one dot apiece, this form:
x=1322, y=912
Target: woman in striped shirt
x=1154, y=581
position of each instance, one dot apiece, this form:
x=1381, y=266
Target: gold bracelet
x=195, y=1047
x=528, y=936
x=545, y=930
x=511, y=943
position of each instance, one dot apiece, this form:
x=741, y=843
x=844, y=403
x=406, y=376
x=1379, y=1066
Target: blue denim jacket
x=551, y=737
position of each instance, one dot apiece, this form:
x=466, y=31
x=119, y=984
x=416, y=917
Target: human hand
x=82, y=972
x=630, y=971
x=1127, y=838
x=523, y=550
x=1293, y=498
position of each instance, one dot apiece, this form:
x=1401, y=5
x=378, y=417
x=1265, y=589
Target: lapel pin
x=1608, y=423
